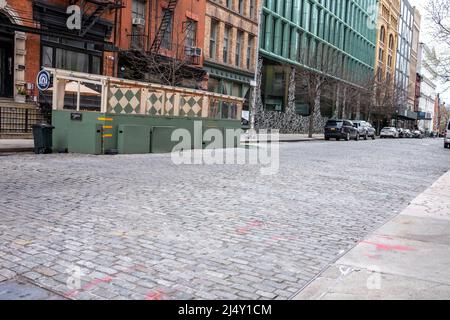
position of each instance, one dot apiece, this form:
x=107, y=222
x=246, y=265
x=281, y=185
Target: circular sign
x=43, y=80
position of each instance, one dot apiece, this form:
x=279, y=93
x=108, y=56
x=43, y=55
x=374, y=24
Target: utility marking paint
x=387, y=247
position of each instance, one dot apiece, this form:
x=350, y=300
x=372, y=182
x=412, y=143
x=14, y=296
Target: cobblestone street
x=141, y=227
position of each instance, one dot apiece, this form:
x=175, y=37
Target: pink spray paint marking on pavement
x=388, y=247
x=248, y=227
x=97, y=281
x=155, y=295
x=87, y=286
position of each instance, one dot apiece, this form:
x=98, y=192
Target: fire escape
x=93, y=11
x=167, y=19
x=141, y=64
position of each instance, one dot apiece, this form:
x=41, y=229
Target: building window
x=191, y=33
x=70, y=55
x=252, y=9
x=226, y=40
x=382, y=35
x=251, y=41
x=391, y=42
x=166, y=42
x=213, y=40
x=238, y=48
x=380, y=55
x=241, y=6
x=137, y=31
x=229, y=4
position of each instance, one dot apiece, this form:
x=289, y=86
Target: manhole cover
x=18, y=290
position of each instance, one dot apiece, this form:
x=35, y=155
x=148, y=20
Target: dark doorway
x=6, y=61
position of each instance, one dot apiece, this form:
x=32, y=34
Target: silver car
x=389, y=132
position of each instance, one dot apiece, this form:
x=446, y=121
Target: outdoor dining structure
x=134, y=117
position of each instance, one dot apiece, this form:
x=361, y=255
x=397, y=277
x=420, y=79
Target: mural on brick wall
x=288, y=121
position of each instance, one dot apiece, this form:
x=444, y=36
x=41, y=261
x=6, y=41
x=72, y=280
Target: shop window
x=70, y=60
x=70, y=55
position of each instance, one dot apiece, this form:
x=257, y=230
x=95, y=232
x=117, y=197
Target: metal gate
x=21, y=119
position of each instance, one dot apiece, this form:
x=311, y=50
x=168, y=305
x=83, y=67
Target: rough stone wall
x=288, y=121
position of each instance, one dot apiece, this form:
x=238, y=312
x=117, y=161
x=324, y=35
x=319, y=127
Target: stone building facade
x=230, y=47
x=387, y=40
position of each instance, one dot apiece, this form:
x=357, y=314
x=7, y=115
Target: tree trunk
x=337, y=102
x=344, y=103
x=358, y=107
x=315, y=114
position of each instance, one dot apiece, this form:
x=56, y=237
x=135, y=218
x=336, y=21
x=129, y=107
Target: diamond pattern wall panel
x=191, y=106
x=124, y=100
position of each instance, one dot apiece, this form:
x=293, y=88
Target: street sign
x=43, y=80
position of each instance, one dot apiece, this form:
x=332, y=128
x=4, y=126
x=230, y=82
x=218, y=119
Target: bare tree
x=314, y=78
x=439, y=13
x=175, y=64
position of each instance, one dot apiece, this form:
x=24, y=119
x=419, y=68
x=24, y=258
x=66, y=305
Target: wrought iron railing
x=21, y=120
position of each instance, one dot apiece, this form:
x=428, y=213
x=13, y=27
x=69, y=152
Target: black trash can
x=42, y=134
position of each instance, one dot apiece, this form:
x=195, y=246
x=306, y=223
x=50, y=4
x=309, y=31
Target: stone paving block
x=211, y=227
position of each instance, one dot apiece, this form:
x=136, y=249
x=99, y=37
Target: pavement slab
x=407, y=258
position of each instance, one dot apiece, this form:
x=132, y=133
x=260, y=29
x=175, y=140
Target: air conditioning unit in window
x=195, y=52
x=138, y=21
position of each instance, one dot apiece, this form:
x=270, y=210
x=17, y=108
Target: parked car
x=341, y=129
x=447, y=136
x=389, y=132
x=359, y=125
x=365, y=129
x=417, y=134
x=407, y=133
x=371, y=132
x=400, y=132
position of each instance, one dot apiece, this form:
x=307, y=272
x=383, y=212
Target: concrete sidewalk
x=245, y=138
x=16, y=145
x=407, y=258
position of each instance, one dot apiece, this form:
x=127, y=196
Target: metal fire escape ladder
x=165, y=23
x=89, y=20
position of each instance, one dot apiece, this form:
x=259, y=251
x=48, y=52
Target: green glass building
x=334, y=37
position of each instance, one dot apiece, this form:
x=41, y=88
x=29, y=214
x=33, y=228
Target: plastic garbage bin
x=42, y=134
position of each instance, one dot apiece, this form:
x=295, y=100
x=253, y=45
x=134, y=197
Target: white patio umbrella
x=78, y=88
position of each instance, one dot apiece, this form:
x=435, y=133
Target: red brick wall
x=193, y=9
x=24, y=10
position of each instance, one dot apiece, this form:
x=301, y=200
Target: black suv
x=341, y=129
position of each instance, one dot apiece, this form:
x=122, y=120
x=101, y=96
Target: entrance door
x=6, y=66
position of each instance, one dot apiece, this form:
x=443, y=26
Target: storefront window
x=70, y=60
x=47, y=56
x=70, y=55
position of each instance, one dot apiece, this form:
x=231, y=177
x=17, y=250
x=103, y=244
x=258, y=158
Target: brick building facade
x=157, y=38
x=34, y=34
